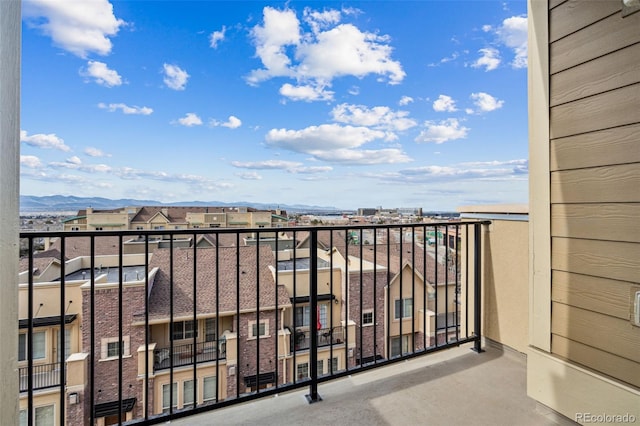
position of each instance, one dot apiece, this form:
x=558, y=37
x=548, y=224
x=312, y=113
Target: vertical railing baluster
x=331, y=304
x=194, y=354
x=375, y=296
x=446, y=283
x=92, y=330
x=29, y=354
x=457, y=281
x=258, y=312
x=466, y=280
x=477, y=247
x=217, y=275
x=171, y=345
x=361, y=301
x=62, y=309
x=295, y=313
x=346, y=298
x=388, y=287
x=435, y=267
x=237, y=315
x=413, y=288
x=277, y=311
x=120, y=318
x=146, y=327
x=313, y=326
x=401, y=297
x=425, y=285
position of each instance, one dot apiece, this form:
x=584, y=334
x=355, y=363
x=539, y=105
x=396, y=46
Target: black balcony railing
x=43, y=376
x=184, y=354
x=378, y=294
x=301, y=339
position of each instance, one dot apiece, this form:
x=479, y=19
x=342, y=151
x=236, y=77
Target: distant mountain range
x=62, y=203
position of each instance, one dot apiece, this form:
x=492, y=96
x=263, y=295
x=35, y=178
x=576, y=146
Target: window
x=75, y=228
x=184, y=330
x=67, y=344
x=113, y=349
x=158, y=227
x=258, y=329
x=367, y=317
x=303, y=315
x=334, y=364
x=39, y=339
x=23, y=418
x=210, y=330
x=166, y=394
x=44, y=416
x=187, y=394
x=403, y=308
x=209, y=388
x=320, y=367
x=139, y=228
x=303, y=370
x=396, y=349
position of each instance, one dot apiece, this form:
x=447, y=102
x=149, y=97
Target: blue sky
x=345, y=104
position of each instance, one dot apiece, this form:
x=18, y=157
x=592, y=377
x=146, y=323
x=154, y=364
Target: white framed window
x=303, y=370
x=187, y=394
x=367, y=317
x=22, y=418
x=403, y=308
x=209, y=388
x=210, y=330
x=399, y=345
x=39, y=345
x=44, y=416
x=184, y=330
x=67, y=344
x=258, y=329
x=111, y=348
x=166, y=395
x=303, y=315
x=320, y=367
x=334, y=364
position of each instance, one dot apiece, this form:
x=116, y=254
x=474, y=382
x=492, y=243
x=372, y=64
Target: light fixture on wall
x=73, y=398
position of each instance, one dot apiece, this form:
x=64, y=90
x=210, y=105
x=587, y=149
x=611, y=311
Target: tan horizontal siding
x=598, y=39
x=572, y=15
x=555, y=3
x=600, y=331
x=609, y=297
x=610, y=109
x=607, y=184
x=618, y=69
x=607, y=259
x=605, y=362
x=610, y=221
x=618, y=145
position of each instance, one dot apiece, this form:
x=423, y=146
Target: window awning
x=263, y=379
x=305, y=299
x=112, y=407
x=47, y=321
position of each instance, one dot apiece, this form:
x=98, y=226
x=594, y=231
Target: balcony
x=182, y=355
x=371, y=300
x=44, y=376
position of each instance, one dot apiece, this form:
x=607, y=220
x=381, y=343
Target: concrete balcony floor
x=453, y=387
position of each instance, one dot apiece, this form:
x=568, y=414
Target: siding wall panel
x=619, y=69
x=593, y=41
x=599, y=331
x=610, y=109
x=606, y=184
x=594, y=160
x=618, y=145
x=572, y=15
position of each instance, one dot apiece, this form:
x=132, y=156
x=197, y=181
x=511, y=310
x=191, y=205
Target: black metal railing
x=378, y=294
x=184, y=354
x=43, y=376
x=301, y=338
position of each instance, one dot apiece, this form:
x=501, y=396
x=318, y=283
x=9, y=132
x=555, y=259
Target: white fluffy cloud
x=249, y=176
x=216, y=37
x=30, y=161
x=190, y=120
x=232, y=122
x=126, y=109
x=489, y=59
x=513, y=34
x=379, y=117
x=95, y=152
x=45, y=141
x=315, y=57
x=484, y=102
x=101, y=74
x=444, y=103
x=74, y=163
x=442, y=131
x=306, y=93
x=405, y=100
x=266, y=165
x=175, y=77
x=78, y=27
x=336, y=143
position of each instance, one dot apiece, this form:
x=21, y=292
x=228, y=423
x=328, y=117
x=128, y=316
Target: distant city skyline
x=352, y=104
